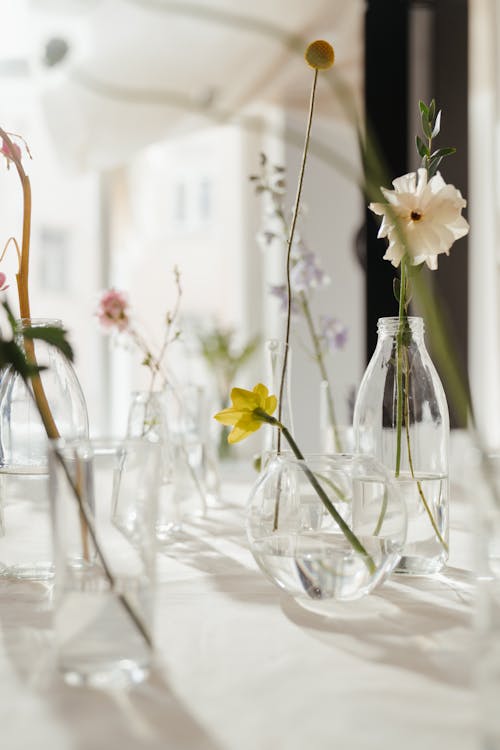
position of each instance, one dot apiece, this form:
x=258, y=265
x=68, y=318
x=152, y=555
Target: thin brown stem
x=6, y=247
x=38, y=392
x=23, y=271
x=289, y=247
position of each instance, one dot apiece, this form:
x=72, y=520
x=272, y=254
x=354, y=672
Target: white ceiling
x=138, y=70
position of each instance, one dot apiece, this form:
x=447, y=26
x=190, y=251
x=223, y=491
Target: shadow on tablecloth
x=149, y=716
x=422, y=625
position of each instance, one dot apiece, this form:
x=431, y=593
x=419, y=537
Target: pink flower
x=6, y=151
x=3, y=285
x=112, y=310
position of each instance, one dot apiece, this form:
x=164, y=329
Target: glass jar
x=25, y=539
x=401, y=418
x=176, y=419
x=104, y=587
x=297, y=540
x=146, y=417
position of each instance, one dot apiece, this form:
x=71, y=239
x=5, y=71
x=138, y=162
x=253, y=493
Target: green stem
x=349, y=535
x=399, y=365
x=318, y=354
x=381, y=517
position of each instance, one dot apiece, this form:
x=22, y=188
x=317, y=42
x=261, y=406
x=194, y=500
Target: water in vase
x=25, y=536
x=426, y=500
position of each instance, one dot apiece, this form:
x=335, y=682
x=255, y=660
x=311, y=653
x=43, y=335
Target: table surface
x=243, y=667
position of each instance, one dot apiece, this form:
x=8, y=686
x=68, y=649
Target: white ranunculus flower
x=429, y=216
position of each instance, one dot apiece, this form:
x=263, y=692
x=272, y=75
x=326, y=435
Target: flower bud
x=320, y=55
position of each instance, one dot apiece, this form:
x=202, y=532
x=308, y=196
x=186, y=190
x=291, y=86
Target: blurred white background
x=145, y=119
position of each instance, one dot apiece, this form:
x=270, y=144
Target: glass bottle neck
x=390, y=327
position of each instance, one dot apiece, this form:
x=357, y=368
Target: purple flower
x=333, y=333
x=279, y=291
x=306, y=274
x=265, y=238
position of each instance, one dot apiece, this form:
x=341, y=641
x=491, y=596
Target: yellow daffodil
x=248, y=412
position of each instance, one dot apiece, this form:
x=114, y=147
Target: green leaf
x=434, y=166
x=443, y=152
x=10, y=316
x=11, y=355
x=426, y=127
x=408, y=294
x=432, y=110
x=437, y=125
x=422, y=149
x=423, y=109
x=51, y=335
x=396, y=286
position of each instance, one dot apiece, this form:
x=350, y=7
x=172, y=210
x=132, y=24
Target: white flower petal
x=394, y=253
x=405, y=184
x=438, y=224
x=378, y=208
x=422, y=181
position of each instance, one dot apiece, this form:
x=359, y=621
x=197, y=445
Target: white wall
x=484, y=217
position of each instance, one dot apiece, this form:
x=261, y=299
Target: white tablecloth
x=242, y=667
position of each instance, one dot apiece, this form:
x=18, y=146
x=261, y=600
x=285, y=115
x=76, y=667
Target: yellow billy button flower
x=249, y=411
x=320, y=55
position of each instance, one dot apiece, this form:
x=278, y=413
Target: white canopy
x=136, y=71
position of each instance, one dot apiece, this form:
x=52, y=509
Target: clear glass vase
x=25, y=540
x=146, y=417
x=334, y=438
x=296, y=538
x=275, y=351
x=105, y=552
x=401, y=418
x=176, y=419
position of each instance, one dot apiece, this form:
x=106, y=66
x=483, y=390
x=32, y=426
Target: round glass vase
x=25, y=536
x=401, y=418
x=300, y=544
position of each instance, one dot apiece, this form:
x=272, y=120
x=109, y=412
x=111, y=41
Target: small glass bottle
x=401, y=418
x=172, y=418
x=275, y=350
x=25, y=538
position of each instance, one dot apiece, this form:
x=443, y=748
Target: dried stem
x=289, y=248
x=22, y=278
